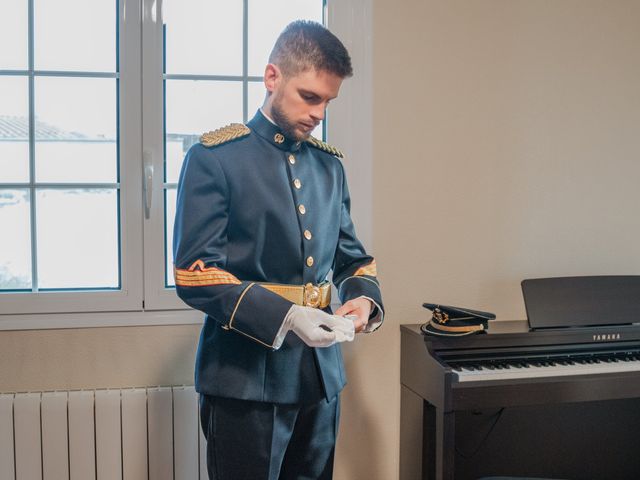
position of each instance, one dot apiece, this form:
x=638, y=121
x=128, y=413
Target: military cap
x=448, y=321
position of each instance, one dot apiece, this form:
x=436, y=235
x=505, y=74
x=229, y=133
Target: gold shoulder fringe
x=224, y=134
x=325, y=147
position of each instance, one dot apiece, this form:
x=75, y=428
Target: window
x=91, y=144
x=61, y=143
x=207, y=72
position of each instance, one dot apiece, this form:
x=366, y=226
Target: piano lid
x=582, y=301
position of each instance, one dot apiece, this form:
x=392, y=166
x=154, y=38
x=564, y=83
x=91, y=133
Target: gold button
x=278, y=138
x=297, y=183
x=301, y=209
x=307, y=234
x=292, y=159
x=309, y=261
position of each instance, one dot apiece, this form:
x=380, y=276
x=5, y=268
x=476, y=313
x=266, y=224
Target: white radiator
x=129, y=434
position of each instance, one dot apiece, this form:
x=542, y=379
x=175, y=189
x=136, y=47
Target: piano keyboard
x=527, y=368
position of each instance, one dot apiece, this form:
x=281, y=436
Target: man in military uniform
x=262, y=218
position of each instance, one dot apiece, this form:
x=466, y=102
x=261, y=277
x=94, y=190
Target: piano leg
x=445, y=433
x=412, y=459
x=427, y=435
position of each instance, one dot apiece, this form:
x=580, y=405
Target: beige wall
x=85, y=358
x=505, y=147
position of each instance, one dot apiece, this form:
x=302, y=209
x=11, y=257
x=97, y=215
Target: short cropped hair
x=304, y=44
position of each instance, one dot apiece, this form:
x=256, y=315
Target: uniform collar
x=272, y=133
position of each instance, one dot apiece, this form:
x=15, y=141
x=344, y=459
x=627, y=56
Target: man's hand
x=359, y=307
x=317, y=328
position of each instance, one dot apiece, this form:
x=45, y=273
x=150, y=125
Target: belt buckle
x=312, y=295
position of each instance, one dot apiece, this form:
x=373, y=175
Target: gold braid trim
x=197, y=275
x=369, y=269
x=224, y=134
x=325, y=147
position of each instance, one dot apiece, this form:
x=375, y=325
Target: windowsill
x=99, y=319
x=105, y=319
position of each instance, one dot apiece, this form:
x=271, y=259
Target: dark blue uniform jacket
x=244, y=206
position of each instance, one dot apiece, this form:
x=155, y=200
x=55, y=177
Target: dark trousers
x=264, y=441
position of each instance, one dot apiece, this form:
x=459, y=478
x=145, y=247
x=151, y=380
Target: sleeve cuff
x=259, y=315
x=376, y=318
x=360, y=286
x=282, y=332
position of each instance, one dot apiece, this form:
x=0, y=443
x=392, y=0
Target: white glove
x=317, y=328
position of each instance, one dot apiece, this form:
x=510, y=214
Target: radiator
x=128, y=434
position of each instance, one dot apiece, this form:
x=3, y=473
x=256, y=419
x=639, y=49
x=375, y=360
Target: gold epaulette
x=224, y=134
x=325, y=147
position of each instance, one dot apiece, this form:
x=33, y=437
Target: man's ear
x=272, y=77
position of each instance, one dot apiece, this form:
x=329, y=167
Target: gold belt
x=309, y=295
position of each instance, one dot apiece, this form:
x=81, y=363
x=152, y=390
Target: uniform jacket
x=255, y=206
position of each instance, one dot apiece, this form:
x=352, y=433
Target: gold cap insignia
x=325, y=147
x=278, y=138
x=224, y=134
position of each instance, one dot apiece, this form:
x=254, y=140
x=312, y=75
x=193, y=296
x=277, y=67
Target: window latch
x=147, y=182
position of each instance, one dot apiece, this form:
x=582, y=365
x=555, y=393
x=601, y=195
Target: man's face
x=297, y=103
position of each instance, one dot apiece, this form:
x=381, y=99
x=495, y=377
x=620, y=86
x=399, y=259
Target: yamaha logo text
x=608, y=336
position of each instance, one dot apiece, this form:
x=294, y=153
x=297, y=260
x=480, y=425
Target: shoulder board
x=325, y=147
x=224, y=134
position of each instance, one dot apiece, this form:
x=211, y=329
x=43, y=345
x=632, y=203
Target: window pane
x=203, y=37
x=15, y=243
x=170, y=214
x=76, y=129
x=13, y=35
x=195, y=107
x=14, y=130
x=77, y=235
x=76, y=35
x=268, y=19
x=257, y=93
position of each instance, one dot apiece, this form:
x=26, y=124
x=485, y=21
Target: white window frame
x=349, y=127
x=129, y=296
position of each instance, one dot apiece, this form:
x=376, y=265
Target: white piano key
x=533, y=371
